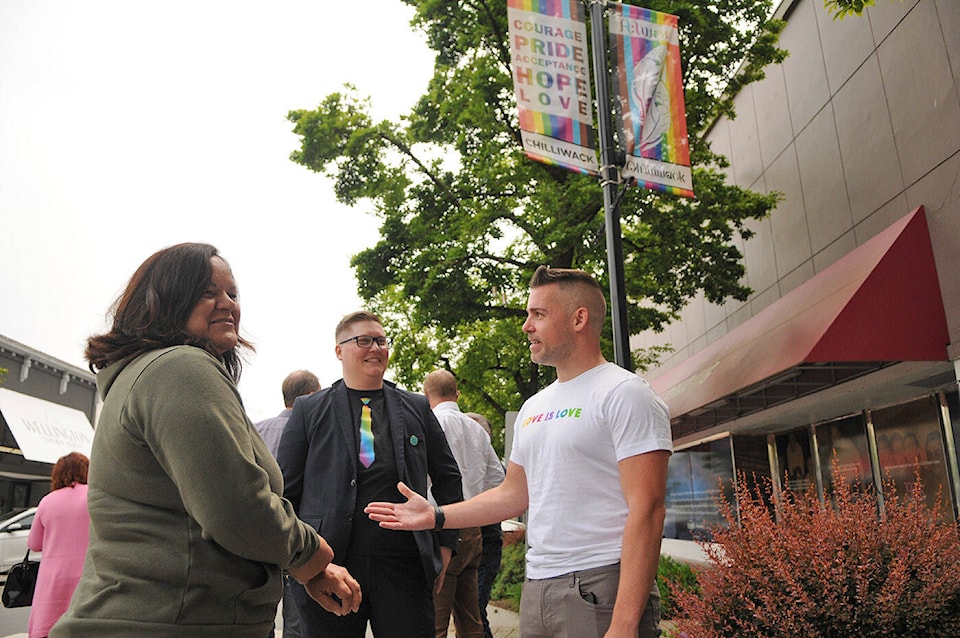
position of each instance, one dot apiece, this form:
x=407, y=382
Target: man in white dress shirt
x=481, y=470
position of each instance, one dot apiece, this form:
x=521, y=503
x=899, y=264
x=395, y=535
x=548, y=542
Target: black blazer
x=319, y=458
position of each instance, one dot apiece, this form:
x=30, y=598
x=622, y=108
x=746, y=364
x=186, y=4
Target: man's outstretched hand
x=336, y=590
x=415, y=514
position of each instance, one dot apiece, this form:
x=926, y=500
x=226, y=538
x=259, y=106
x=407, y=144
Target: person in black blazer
x=330, y=474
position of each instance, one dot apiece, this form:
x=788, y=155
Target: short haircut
x=69, y=470
x=582, y=287
x=563, y=276
x=440, y=384
x=352, y=318
x=298, y=384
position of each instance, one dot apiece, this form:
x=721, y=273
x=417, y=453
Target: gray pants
x=579, y=605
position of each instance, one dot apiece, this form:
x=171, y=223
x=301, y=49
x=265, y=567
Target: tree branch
x=408, y=152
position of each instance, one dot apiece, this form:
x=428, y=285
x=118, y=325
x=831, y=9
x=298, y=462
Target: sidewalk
x=503, y=623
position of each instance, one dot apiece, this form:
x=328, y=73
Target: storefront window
x=909, y=444
x=953, y=405
x=844, y=442
x=751, y=459
x=796, y=462
x=696, y=478
x=752, y=463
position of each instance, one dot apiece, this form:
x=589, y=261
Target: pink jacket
x=60, y=530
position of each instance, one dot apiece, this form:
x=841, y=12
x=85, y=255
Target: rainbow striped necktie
x=366, y=433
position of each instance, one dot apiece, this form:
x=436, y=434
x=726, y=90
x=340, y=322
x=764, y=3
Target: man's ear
x=337, y=351
x=581, y=318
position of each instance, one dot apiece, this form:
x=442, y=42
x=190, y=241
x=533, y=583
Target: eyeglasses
x=366, y=341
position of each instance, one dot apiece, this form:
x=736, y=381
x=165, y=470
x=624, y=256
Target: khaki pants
x=459, y=591
x=579, y=605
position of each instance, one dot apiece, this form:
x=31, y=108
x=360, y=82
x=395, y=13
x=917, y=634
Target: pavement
x=689, y=552
x=503, y=624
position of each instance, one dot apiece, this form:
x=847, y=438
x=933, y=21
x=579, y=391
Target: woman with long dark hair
x=189, y=532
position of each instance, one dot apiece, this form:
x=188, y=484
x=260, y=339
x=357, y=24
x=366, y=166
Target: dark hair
x=154, y=309
x=298, y=384
x=586, y=291
x=544, y=276
x=352, y=318
x=68, y=470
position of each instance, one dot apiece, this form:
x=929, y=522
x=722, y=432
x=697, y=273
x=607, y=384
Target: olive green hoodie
x=188, y=529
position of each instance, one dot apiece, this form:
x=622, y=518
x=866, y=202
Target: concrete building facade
x=844, y=361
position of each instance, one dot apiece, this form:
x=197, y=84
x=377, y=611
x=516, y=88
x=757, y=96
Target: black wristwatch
x=438, y=518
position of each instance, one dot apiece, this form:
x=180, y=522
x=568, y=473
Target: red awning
x=878, y=305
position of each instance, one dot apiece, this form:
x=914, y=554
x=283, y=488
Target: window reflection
x=909, y=445
x=695, y=478
x=842, y=446
x=796, y=462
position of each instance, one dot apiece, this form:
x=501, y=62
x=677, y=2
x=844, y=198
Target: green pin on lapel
x=414, y=441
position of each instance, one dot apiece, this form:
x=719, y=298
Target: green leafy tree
x=466, y=217
x=840, y=9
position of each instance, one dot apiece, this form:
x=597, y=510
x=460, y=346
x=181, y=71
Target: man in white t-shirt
x=589, y=460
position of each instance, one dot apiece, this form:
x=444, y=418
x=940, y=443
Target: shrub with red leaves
x=836, y=572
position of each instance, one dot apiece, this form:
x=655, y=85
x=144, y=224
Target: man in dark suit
x=348, y=445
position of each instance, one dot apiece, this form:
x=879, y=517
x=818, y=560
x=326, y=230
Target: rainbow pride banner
x=551, y=81
x=648, y=98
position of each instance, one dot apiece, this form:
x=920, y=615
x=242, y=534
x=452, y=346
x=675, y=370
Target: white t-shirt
x=569, y=439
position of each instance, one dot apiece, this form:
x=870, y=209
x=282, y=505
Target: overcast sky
x=130, y=125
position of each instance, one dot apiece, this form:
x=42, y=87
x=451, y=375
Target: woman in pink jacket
x=60, y=530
